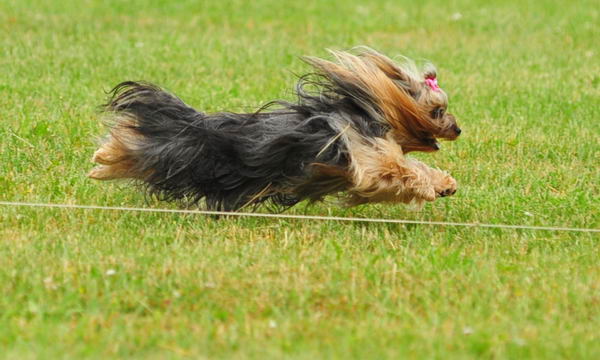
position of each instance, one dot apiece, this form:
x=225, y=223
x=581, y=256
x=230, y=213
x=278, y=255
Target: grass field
x=524, y=79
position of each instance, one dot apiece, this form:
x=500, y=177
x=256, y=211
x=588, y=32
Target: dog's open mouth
x=422, y=144
x=433, y=144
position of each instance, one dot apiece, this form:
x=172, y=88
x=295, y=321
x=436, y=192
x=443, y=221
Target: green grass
x=523, y=77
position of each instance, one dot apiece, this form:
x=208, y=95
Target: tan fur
x=379, y=172
x=400, y=111
x=392, y=86
x=116, y=155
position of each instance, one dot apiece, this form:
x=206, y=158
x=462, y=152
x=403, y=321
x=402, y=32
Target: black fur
x=232, y=160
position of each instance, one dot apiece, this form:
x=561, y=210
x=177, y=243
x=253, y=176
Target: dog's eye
x=438, y=113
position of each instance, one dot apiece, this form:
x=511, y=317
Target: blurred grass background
x=523, y=78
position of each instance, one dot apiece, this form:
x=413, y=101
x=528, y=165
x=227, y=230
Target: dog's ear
x=385, y=90
x=401, y=76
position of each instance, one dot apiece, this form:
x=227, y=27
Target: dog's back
x=229, y=159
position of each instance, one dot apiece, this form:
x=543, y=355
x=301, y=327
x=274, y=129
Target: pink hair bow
x=432, y=83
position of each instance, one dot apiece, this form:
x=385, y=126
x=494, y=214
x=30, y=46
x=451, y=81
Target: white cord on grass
x=300, y=217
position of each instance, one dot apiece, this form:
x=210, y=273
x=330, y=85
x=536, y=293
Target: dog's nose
x=457, y=130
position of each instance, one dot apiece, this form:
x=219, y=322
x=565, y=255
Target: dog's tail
x=155, y=137
x=141, y=118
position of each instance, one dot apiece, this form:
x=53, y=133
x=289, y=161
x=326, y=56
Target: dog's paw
x=426, y=193
x=445, y=186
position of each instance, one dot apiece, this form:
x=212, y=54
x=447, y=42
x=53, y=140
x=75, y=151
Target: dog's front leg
x=381, y=173
x=443, y=184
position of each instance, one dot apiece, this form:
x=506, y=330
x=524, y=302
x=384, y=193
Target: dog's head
x=433, y=102
x=407, y=101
